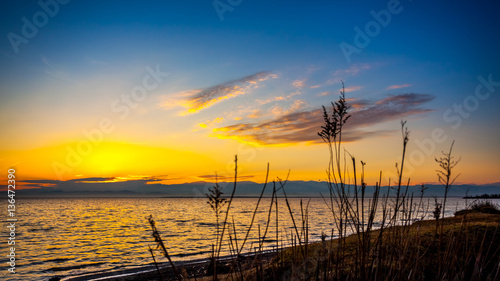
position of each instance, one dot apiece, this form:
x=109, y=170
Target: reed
x=216, y=202
x=377, y=235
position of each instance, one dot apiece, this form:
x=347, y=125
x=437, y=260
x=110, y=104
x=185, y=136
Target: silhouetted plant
x=331, y=132
x=437, y=212
x=484, y=206
x=161, y=245
x=447, y=164
x=216, y=202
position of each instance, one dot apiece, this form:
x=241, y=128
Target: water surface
x=63, y=237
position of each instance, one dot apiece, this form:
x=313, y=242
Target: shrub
x=485, y=206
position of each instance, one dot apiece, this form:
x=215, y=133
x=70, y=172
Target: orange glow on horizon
x=106, y=159
x=123, y=162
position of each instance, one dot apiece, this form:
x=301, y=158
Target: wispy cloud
x=256, y=113
x=196, y=100
x=96, y=184
x=51, y=69
x=271, y=99
x=302, y=126
x=352, y=89
x=46, y=61
x=297, y=105
x=277, y=98
x=341, y=74
x=178, y=99
x=353, y=70
x=210, y=123
x=392, y=87
x=211, y=178
x=326, y=93
x=299, y=83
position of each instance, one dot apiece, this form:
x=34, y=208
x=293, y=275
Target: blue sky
x=265, y=69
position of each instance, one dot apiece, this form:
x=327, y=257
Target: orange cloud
x=296, y=106
x=210, y=123
x=302, y=126
x=278, y=98
x=196, y=100
x=256, y=113
x=299, y=83
x=269, y=100
x=353, y=70
x=392, y=87
x=352, y=89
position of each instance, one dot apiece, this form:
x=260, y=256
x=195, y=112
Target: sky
x=171, y=91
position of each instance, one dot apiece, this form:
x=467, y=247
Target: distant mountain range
x=243, y=189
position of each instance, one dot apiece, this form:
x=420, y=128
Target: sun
x=110, y=159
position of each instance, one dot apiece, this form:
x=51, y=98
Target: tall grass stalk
x=446, y=163
x=161, y=245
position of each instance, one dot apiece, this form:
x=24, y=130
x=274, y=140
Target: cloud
x=94, y=179
x=210, y=123
x=196, y=100
x=269, y=100
x=277, y=98
x=178, y=99
x=342, y=74
x=95, y=184
x=352, y=89
x=297, y=105
x=390, y=108
x=53, y=70
x=302, y=126
x=46, y=61
x=326, y=93
x=299, y=83
x=212, y=178
x=256, y=113
x=392, y=87
x=351, y=71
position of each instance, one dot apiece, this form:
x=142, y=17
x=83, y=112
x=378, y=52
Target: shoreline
x=151, y=273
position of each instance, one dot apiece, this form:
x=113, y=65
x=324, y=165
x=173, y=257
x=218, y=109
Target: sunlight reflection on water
x=62, y=237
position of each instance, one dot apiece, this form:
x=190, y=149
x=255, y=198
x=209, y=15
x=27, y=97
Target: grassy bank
x=467, y=249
